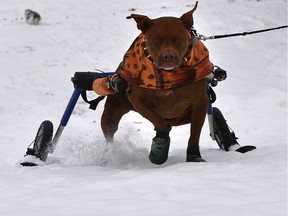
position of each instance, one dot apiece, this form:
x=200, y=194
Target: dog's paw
x=194, y=158
x=159, y=150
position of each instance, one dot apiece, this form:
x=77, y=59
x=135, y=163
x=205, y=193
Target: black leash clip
x=194, y=34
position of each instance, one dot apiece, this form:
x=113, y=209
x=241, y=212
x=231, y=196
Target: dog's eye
x=179, y=41
x=156, y=42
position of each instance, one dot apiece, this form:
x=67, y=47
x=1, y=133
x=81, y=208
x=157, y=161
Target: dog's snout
x=168, y=60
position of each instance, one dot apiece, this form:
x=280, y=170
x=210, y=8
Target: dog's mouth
x=167, y=67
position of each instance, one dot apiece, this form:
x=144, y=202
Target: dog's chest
x=168, y=103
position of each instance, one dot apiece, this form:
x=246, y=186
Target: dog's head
x=167, y=38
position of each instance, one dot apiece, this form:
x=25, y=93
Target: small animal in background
x=32, y=17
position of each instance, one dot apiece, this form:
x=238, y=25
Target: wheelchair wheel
x=43, y=139
x=221, y=130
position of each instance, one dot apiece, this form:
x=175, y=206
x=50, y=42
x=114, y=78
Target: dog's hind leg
x=114, y=109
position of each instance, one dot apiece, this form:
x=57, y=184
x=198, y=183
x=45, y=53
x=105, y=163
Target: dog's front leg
x=161, y=142
x=198, y=114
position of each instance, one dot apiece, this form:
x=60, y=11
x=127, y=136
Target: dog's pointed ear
x=187, y=18
x=143, y=22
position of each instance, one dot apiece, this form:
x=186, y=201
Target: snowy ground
x=86, y=177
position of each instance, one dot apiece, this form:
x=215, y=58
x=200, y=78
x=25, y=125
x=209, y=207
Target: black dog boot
x=193, y=154
x=160, y=146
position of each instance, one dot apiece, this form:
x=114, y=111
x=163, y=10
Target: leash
x=204, y=38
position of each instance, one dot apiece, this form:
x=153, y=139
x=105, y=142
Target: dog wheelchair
x=44, y=142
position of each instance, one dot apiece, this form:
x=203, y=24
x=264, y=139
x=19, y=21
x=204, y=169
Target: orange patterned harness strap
x=138, y=69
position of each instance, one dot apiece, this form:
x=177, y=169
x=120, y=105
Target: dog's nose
x=169, y=56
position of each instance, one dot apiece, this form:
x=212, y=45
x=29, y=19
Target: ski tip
x=28, y=164
x=31, y=161
x=244, y=149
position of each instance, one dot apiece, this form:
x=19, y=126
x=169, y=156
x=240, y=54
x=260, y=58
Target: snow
x=86, y=176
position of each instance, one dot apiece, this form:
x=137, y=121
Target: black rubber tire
x=221, y=130
x=43, y=139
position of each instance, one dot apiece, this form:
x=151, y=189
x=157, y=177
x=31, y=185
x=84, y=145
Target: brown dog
x=165, y=69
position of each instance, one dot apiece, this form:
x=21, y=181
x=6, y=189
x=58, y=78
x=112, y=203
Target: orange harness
x=138, y=69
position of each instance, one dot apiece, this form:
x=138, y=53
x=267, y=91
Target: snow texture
x=85, y=176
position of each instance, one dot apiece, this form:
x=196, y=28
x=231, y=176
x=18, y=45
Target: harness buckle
x=219, y=73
